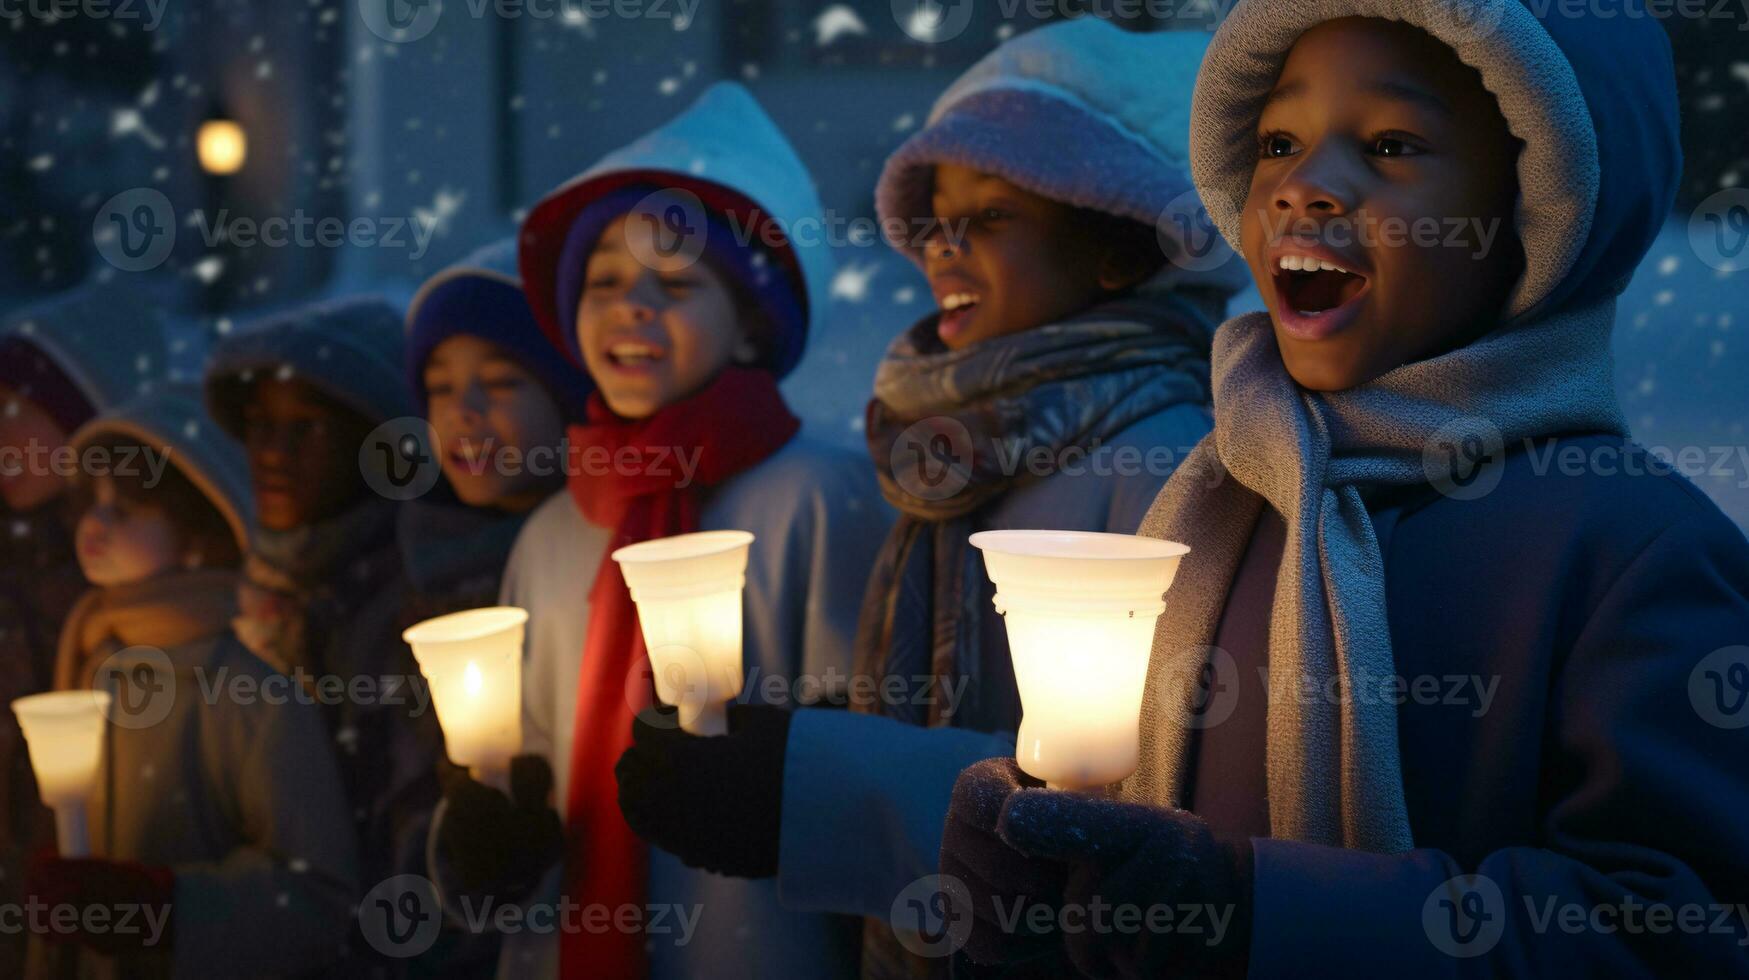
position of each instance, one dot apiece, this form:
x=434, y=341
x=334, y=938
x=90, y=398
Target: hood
x=481, y=296
x=107, y=341
x=1120, y=98
x=729, y=153
x=172, y=419
x=350, y=350
x=1592, y=99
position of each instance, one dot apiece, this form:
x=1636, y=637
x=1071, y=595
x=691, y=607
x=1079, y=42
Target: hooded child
x=683, y=272
x=1074, y=325
x=218, y=802
x=1455, y=692
x=307, y=392
x=62, y=361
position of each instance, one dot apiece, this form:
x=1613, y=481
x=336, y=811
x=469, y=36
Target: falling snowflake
x=835, y=22
x=851, y=282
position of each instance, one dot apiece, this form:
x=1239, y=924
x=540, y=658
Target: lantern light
x=1080, y=609
x=222, y=146
x=473, y=662
x=688, y=591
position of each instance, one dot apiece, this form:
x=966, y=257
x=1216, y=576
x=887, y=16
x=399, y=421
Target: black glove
x=715, y=803
x=1183, y=896
x=501, y=845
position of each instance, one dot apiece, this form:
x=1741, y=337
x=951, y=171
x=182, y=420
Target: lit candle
x=1080, y=609
x=688, y=591
x=64, y=731
x=472, y=661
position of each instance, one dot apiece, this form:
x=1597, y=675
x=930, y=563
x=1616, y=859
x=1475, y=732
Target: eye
x=679, y=287
x=1393, y=145
x=1276, y=144
x=992, y=214
x=440, y=389
x=601, y=281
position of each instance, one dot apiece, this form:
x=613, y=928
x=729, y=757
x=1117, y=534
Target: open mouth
x=956, y=310
x=634, y=355
x=1315, y=295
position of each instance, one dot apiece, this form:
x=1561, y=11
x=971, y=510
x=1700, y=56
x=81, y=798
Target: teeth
x=1306, y=263
x=634, y=352
x=954, y=301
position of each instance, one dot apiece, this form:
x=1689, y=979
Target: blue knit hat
x=350, y=350
x=481, y=296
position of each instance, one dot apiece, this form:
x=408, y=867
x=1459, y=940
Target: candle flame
x=472, y=679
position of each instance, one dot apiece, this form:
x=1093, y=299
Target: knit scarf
x=298, y=584
x=454, y=555
x=948, y=431
x=737, y=421
x=164, y=612
x=1333, y=772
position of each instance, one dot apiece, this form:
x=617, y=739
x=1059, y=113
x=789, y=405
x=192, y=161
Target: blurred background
x=132, y=132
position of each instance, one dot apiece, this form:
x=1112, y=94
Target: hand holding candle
x=473, y=662
x=1080, y=609
x=688, y=590
x=64, y=731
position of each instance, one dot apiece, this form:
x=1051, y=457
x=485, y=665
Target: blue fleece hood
x=1593, y=100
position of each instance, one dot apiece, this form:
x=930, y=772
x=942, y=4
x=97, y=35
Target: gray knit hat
x=350, y=350
x=1080, y=112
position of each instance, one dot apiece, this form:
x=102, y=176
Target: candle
x=472, y=661
x=688, y=591
x=64, y=733
x=1080, y=609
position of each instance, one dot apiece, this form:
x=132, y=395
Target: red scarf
x=733, y=424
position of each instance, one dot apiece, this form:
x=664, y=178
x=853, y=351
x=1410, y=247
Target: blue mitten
x=1147, y=892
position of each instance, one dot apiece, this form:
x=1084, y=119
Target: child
x=498, y=400
x=220, y=821
x=323, y=585
x=1065, y=329
x=1390, y=517
x=61, y=362
x=696, y=436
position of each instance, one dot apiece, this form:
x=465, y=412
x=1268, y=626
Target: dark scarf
x=941, y=426
x=454, y=554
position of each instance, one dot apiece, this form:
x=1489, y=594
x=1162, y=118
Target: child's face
x=120, y=541
x=303, y=454
x=23, y=424
x=1379, y=153
x=1003, y=260
x=656, y=334
x=488, y=412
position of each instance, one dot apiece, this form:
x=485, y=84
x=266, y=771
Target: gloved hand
x=715, y=803
x=500, y=845
x=1148, y=891
x=93, y=883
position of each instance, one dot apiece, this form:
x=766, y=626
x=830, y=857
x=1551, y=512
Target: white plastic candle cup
x=688, y=590
x=64, y=732
x=1080, y=609
x=473, y=662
